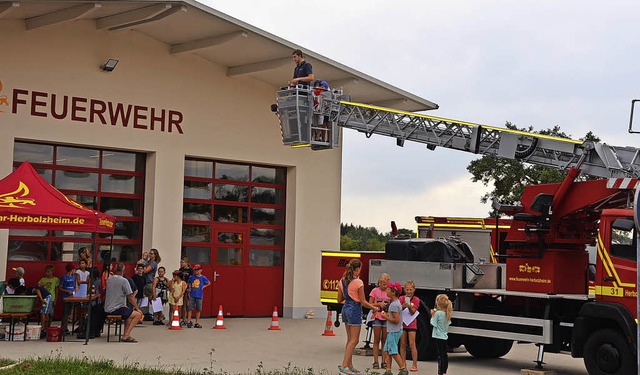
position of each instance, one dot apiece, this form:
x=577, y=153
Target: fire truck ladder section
x=306, y=121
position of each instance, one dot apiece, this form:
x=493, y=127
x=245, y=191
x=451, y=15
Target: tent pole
x=94, y=236
x=110, y=252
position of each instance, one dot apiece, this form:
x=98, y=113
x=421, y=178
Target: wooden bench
x=14, y=318
x=116, y=320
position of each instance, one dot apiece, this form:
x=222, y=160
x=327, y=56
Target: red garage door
x=233, y=224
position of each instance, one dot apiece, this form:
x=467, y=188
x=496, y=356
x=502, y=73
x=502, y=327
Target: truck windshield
x=623, y=241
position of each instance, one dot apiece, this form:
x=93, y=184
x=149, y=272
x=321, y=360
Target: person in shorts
x=197, y=284
x=117, y=294
x=50, y=282
x=394, y=329
x=46, y=311
x=378, y=297
x=351, y=292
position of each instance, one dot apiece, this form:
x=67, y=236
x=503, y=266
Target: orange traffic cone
x=275, y=326
x=328, y=327
x=220, y=320
x=175, y=323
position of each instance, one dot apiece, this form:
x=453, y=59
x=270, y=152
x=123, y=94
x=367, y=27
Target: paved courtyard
x=246, y=343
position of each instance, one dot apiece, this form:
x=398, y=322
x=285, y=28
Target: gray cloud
x=540, y=63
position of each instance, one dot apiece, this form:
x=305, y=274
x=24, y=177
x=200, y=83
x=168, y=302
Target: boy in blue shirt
x=197, y=283
x=68, y=282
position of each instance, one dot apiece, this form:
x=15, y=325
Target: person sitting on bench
x=117, y=293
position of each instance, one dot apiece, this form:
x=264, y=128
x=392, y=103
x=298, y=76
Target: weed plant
x=54, y=363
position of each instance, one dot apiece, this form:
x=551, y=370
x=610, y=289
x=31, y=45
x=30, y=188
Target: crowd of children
x=393, y=314
x=393, y=318
x=183, y=290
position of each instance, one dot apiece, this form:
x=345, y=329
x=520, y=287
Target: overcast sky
x=541, y=63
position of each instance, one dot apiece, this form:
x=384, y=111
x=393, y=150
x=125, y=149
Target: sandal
x=414, y=369
x=375, y=366
x=345, y=371
x=129, y=339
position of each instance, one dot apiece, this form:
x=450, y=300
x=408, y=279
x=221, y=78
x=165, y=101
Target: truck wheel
x=486, y=347
x=606, y=352
x=424, y=343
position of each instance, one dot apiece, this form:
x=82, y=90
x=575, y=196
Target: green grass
x=55, y=364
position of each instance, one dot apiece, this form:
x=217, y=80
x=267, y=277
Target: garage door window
x=105, y=180
x=222, y=194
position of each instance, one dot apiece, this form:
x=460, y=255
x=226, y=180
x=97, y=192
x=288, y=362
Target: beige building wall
x=224, y=118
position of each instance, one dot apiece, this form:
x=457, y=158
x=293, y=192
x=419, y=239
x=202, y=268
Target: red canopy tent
x=28, y=201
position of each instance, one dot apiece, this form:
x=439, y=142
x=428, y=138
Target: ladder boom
x=594, y=159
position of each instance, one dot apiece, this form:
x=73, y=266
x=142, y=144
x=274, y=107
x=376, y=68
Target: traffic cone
x=328, y=327
x=175, y=323
x=275, y=326
x=220, y=320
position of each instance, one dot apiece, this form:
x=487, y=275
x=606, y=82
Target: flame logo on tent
x=75, y=204
x=71, y=201
x=16, y=199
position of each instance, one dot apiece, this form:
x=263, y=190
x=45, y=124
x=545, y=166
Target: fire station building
x=158, y=113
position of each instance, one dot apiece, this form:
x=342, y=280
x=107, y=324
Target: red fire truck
x=540, y=292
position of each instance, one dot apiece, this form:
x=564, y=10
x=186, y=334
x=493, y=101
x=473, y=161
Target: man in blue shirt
x=303, y=72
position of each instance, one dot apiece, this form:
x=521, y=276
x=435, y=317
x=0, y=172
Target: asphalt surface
x=247, y=342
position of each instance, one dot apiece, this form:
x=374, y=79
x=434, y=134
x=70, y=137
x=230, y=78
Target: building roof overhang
x=188, y=26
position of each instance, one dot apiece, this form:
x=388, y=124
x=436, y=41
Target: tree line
x=359, y=238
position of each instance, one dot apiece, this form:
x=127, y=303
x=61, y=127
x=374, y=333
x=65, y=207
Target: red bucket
x=54, y=334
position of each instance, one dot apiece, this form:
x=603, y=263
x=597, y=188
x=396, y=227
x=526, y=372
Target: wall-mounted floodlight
x=109, y=65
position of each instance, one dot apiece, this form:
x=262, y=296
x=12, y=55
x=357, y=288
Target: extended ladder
x=295, y=110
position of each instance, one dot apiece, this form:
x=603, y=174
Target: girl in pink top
x=379, y=298
x=412, y=303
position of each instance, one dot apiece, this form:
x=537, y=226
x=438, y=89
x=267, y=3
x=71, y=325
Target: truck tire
x=606, y=352
x=486, y=347
x=424, y=343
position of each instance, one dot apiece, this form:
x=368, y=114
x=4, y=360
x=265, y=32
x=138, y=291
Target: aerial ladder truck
x=546, y=292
